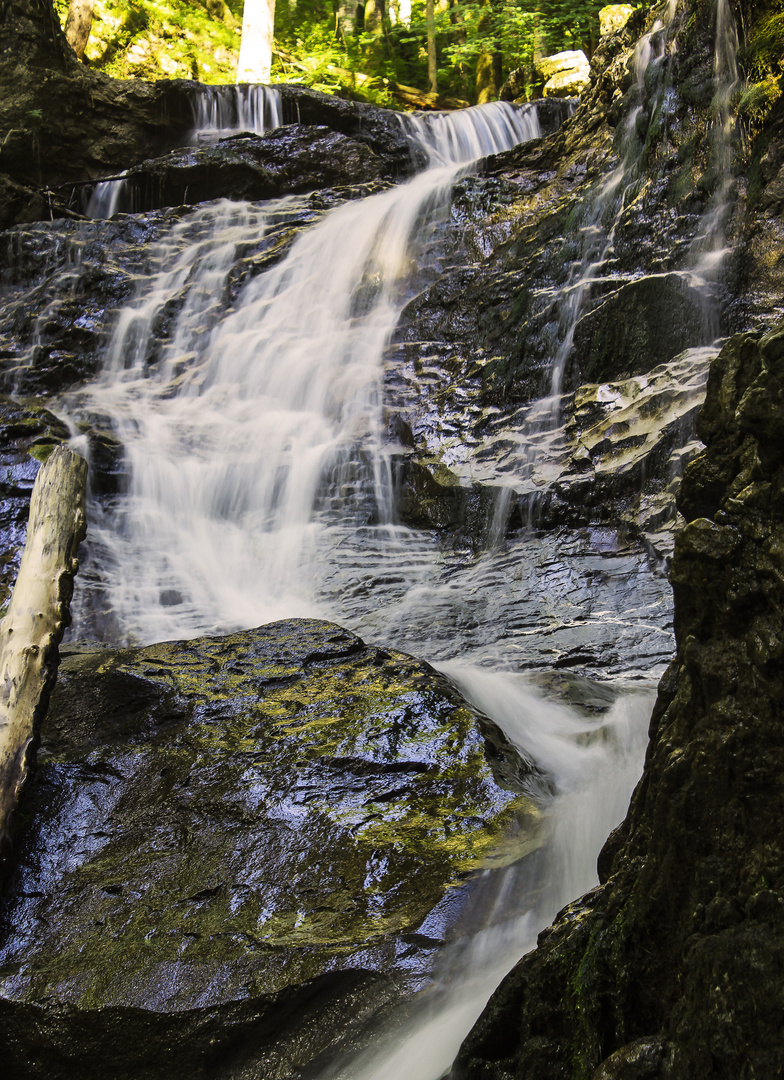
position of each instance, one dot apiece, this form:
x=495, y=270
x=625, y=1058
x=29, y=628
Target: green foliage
x=765, y=52
x=154, y=39
x=763, y=62
x=319, y=44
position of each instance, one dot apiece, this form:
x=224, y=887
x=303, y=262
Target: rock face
x=230, y=836
x=290, y=159
x=672, y=966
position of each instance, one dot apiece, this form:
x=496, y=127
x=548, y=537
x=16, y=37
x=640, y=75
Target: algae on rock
x=231, y=817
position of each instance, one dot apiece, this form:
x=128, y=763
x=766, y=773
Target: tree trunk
x=457, y=21
x=487, y=66
x=258, y=26
x=78, y=24
x=37, y=615
x=432, y=69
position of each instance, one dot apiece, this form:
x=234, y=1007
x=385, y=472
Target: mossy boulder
x=234, y=819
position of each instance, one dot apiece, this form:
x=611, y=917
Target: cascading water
x=594, y=764
x=539, y=435
x=218, y=111
x=232, y=429
x=260, y=486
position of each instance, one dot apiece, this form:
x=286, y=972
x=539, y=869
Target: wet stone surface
x=290, y=159
x=229, y=817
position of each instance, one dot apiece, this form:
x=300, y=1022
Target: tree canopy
x=357, y=48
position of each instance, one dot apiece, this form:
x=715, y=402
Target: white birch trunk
x=258, y=27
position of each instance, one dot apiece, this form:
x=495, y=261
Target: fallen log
x=37, y=615
x=418, y=99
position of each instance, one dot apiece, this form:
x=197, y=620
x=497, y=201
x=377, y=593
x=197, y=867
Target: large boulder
x=565, y=74
x=246, y=845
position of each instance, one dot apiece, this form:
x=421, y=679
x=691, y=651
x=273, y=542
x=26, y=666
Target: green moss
x=276, y=800
x=762, y=60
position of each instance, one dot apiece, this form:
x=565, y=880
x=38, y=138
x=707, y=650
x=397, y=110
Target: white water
x=218, y=112
x=595, y=764
x=540, y=429
x=257, y=462
x=233, y=434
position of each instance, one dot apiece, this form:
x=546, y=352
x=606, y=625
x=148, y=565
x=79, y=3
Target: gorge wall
x=672, y=966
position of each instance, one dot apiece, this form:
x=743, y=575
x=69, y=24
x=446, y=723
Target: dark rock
x=672, y=966
x=65, y=121
x=643, y=323
x=429, y=495
x=380, y=129
x=232, y=843
x=289, y=159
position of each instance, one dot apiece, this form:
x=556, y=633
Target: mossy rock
x=228, y=818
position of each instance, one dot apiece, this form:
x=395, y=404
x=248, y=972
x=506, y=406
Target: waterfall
x=218, y=112
x=538, y=434
x=709, y=247
x=247, y=394
x=106, y=199
x=254, y=430
x=595, y=764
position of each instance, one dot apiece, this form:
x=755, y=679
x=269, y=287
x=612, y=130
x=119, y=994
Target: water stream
x=260, y=486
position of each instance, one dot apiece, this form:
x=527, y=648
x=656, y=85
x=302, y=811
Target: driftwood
x=418, y=99
x=38, y=613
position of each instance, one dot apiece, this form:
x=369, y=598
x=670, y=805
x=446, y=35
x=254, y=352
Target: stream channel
x=261, y=480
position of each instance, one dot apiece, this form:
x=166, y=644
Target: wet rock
x=429, y=495
x=379, y=129
x=643, y=323
x=290, y=159
x=671, y=967
x=230, y=831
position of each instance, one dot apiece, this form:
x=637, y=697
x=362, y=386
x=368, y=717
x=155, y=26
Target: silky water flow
x=260, y=487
